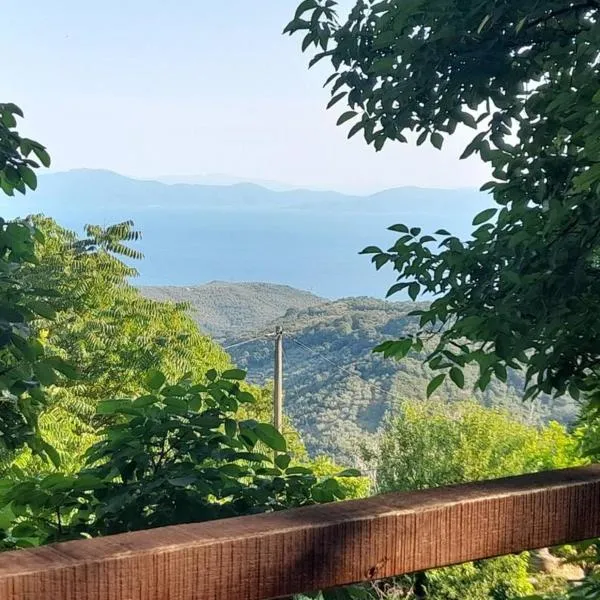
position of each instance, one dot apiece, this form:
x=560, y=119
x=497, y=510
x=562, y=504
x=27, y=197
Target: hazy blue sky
x=151, y=88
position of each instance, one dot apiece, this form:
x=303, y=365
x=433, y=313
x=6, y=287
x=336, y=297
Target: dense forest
x=227, y=310
x=337, y=390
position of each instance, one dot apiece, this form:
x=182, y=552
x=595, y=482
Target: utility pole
x=278, y=380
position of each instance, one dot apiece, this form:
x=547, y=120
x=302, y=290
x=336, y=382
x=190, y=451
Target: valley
x=337, y=391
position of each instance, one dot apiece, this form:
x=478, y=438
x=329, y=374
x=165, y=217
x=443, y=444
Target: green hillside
x=225, y=310
x=337, y=389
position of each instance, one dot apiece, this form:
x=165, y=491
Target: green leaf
x=144, y=401
x=484, y=216
x=283, y=461
x=371, y=250
x=245, y=397
x=154, y=379
x=298, y=471
x=110, y=407
x=483, y=23
x=520, y=24
x=349, y=473
x=234, y=374
x=29, y=177
x=233, y=470
x=457, y=377
x=86, y=481
x=183, y=481
x=52, y=454
x=355, y=129
x=64, y=367
x=413, y=290
x=335, y=99
x=437, y=140
x=42, y=155
x=398, y=287
x=175, y=404
x=435, y=383
x=11, y=313
x=43, y=309
x=231, y=427
x=57, y=481
x=45, y=373
x=349, y=114
x=269, y=435
x=304, y=6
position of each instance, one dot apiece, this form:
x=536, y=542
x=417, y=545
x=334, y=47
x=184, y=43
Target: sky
x=148, y=88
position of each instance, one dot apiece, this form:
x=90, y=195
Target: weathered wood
x=268, y=556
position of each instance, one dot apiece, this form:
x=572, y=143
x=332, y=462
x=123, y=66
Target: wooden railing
x=274, y=555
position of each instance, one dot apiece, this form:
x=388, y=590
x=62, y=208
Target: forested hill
x=226, y=310
x=336, y=389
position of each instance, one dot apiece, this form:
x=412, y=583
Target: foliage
x=353, y=484
x=176, y=454
x=16, y=162
x=502, y=578
x=106, y=326
x=428, y=444
x=26, y=368
x=103, y=325
x=434, y=443
x=523, y=290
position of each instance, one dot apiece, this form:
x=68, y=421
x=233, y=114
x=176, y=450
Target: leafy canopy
x=523, y=291
x=432, y=443
x=177, y=453
x=25, y=365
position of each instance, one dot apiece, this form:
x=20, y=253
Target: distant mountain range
x=336, y=389
x=196, y=233
x=221, y=179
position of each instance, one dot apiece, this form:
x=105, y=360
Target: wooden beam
x=268, y=556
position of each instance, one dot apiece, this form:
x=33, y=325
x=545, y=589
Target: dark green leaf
x=43, y=309
x=435, y=383
x=457, y=377
x=267, y=434
x=349, y=473
x=413, y=290
x=346, y=117
x=155, y=379
x=484, y=216
x=234, y=374
x=282, y=461
x=437, y=140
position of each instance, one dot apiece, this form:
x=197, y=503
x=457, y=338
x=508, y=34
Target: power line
x=340, y=367
x=256, y=339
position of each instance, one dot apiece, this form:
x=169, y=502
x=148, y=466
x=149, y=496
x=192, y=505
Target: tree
x=430, y=444
x=25, y=366
x=434, y=443
x=113, y=334
x=523, y=292
x=175, y=454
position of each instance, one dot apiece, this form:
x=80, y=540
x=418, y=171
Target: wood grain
x=268, y=556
